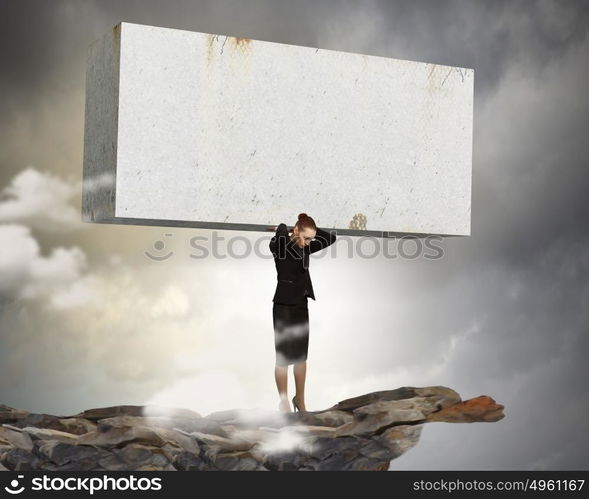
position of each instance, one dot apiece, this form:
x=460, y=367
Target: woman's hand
x=275, y=228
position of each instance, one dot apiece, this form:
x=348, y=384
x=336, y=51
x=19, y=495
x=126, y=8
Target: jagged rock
x=253, y=418
x=135, y=410
x=137, y=455
x=10, y=414
x=331, y=418
x=169, y=451
x=61, y=453
x=370, y=418
x=187, y=461
x=215, y=458
x=399, y=439
x=445, y=397
x=251, y=436
x=229, y=444
x=77, y=426
x=47, y=434
x=15, y=437
x=118, y=436
x=476, y=410
x=28, y=419
x=359, y=433
x=320, y=431
x=199, y=424
x=40, y=421
x=17, y=459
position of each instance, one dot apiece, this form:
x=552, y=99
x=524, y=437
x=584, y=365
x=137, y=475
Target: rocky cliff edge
x=359, y=433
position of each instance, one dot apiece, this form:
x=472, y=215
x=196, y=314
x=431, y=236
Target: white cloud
x=172, y=302
x=17, y=249
x=285, y=440
x=26, y=274
x=100, y=181
x=41, y=201
x=78, y=293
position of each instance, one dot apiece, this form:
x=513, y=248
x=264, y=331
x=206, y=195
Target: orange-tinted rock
x=481, y=409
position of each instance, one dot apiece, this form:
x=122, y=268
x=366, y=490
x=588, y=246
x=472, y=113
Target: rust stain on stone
x=244, y=42
x=210, y=50
x=222, y=46
x=240, y=45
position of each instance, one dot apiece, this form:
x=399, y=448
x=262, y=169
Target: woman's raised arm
x=322, y=240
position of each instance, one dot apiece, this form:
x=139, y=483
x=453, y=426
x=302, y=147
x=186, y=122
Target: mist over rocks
x=360, y=433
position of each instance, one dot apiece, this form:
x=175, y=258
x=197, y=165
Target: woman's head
x=304, y=230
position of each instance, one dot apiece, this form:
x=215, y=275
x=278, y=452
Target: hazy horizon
x=88, y=320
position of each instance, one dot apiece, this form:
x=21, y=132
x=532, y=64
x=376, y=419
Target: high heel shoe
x=296, y=407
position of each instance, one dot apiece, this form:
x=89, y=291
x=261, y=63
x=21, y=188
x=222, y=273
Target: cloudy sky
x=88, y=320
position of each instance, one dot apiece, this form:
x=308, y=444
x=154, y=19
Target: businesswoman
x=290, y=313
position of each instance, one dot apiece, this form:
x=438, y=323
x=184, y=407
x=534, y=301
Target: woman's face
x=303, y=238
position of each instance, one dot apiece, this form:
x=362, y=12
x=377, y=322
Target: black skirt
x=291, y=333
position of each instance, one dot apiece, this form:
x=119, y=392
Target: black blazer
x=292, y=265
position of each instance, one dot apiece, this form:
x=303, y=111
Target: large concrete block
x=205, y=130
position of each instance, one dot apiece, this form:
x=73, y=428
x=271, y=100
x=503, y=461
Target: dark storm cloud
x=487, y=36
x=38, y=38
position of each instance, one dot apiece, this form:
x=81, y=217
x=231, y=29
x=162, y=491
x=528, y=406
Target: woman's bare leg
x=281, y=376
x=300, y=372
